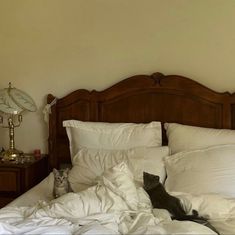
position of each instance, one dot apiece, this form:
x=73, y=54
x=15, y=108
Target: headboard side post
x=52, y=134
x=232, y=110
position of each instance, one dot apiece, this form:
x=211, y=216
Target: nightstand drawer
x=9, y=180
x=16, y=178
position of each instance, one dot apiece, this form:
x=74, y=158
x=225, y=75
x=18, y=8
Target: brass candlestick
x=12, y=154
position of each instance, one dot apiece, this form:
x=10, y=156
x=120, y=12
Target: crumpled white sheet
x=219, y=210
x=97, y=210
x=115, y=206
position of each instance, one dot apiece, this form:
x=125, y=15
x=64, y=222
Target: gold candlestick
x=12, y=154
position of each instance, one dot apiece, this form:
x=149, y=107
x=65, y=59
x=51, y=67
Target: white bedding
x=42, y=191
x=96, y=210
x=101, y=209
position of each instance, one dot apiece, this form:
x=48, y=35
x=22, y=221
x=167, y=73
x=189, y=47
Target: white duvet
x=115, y=206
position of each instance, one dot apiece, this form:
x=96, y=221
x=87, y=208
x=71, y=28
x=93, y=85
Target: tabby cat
x=61, y=182
x=163, y=200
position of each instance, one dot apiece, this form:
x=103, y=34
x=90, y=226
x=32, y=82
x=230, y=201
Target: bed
x=180, y=130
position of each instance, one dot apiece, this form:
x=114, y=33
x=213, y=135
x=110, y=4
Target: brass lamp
x=13, y=102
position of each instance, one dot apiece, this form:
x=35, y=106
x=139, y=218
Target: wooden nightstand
x=16, y=178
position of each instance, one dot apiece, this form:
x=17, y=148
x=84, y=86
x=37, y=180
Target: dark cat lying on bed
x=163, y=200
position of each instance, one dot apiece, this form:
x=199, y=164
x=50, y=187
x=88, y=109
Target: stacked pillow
x=203, y=160
x=183, y=137
x=98, y=146
x=102, y=135
x=88, y=164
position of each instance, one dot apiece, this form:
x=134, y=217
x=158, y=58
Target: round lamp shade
x=14, y=101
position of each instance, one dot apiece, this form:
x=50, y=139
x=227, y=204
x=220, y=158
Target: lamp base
x=11, y=155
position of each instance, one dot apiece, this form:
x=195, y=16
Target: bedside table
x=17, y=178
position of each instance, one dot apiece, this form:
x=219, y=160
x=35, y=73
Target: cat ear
x=55, y=171
x=157, y=178
x=146, y=174
x=66, y=172
x=150, y=181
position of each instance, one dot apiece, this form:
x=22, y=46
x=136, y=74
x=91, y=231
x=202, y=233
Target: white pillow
x=100, y=135
x=183, y=137
x=88, y=164
x=210, y=170
x=149, y=160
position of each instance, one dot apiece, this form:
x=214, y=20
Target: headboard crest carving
x=157, y=77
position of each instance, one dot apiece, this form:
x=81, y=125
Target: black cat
x=163, y=200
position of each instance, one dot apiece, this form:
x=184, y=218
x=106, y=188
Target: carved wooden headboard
x=140, y=99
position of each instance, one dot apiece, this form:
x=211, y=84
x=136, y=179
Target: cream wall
x=56, y=46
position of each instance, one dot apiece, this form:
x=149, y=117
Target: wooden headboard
x=140, y=99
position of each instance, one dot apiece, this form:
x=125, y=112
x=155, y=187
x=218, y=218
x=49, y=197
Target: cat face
x=60, y=176
x=150, y=181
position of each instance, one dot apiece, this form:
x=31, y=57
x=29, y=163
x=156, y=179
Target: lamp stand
x=12, y=154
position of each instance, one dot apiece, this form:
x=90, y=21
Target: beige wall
x=56, y=46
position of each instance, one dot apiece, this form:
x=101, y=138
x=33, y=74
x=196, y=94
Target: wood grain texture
x=140, y=99
x=16, y=179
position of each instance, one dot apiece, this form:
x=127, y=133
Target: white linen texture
x=88, y=164
x=209, y=170
x=184, y=137
x=105, y=208
x=102, y=135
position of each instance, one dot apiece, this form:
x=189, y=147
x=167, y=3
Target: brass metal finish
x=12, y=154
